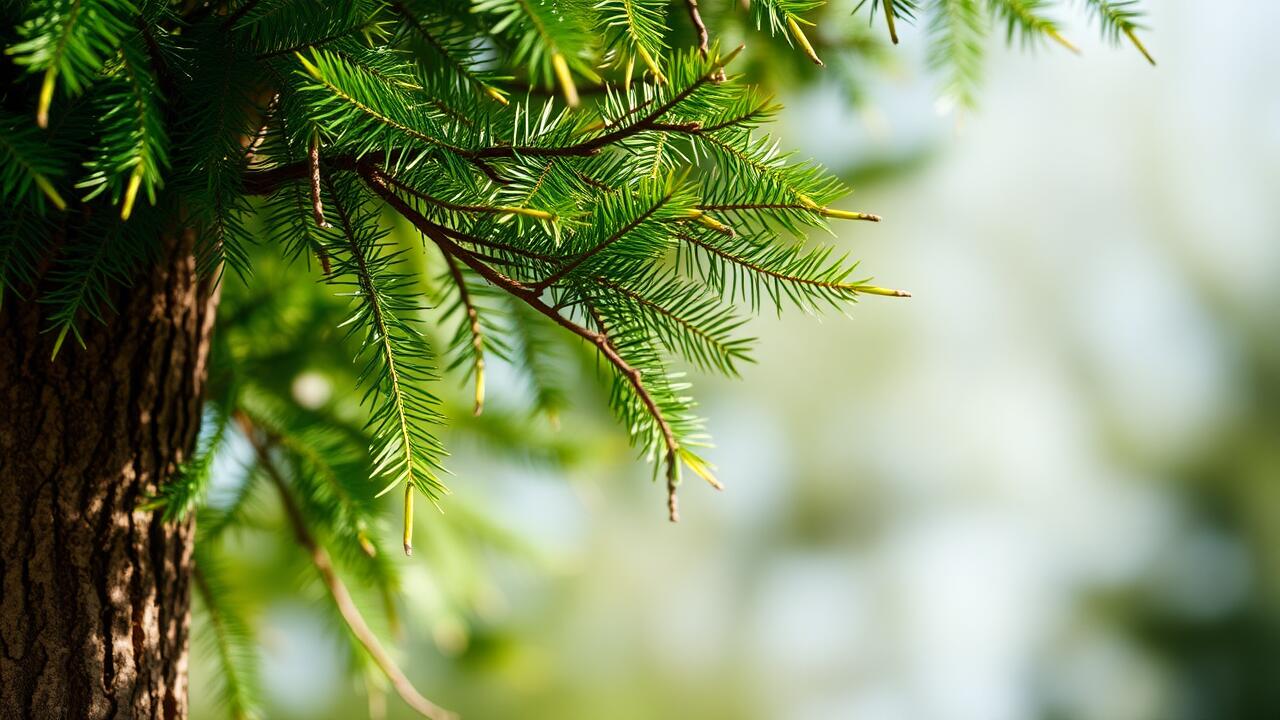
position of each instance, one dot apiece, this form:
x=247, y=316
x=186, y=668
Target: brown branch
x=337, y=589
x=317, y=205
x=454, y=115
x=689, y=128
x=460, y=236
x=590, y=180
x=377, y=181
x=668, y=437
x=264, y=181
x=315, y=43
x=649, y=303
x=440, y=235
x=740, y=119
x=854, y=288
x=700, y=27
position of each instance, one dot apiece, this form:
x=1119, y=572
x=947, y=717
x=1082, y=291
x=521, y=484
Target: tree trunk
x=94, y=601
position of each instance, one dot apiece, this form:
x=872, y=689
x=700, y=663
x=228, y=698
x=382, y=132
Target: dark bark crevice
x=94, y=594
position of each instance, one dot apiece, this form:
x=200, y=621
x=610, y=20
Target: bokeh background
x=1048, y=486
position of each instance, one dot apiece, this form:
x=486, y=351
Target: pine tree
x=576, y=176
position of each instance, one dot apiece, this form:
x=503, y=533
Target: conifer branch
x=575, y=263
x=672, y=447
x=1024, y=15
x=378, y=116
x=753, y=114
x=377, y=181
x=810, y=207
x=337, y=589
x=317, y=204
x=1120, y=17
x=699, y=27
x=473, y=323
x=726, y=350
x=403, y=450
x=639, y=224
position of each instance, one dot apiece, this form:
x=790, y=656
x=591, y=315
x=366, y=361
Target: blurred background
x=1047, y=486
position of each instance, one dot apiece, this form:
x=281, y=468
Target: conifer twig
x=573, y=264
x=313, y=159
x=473, y=322
x=668, y=436
x=402, y=415
x=890, y=19
x=378, y=182
x=337, y=589
x=459, y=207
x=440, y=48
x=594, y=145
x=767, y=272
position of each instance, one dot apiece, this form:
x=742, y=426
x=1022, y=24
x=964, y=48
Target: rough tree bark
x=94, y=596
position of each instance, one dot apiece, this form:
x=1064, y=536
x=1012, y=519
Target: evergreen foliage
x=578, y=174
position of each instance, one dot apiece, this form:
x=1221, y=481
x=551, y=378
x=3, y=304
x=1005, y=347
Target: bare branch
x=698, y=25
x=317, y=205
x=594, y=145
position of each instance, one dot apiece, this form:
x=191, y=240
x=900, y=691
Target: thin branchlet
x=699, y=27
x=378, y=182
x=473, y=325
x=317, y=204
